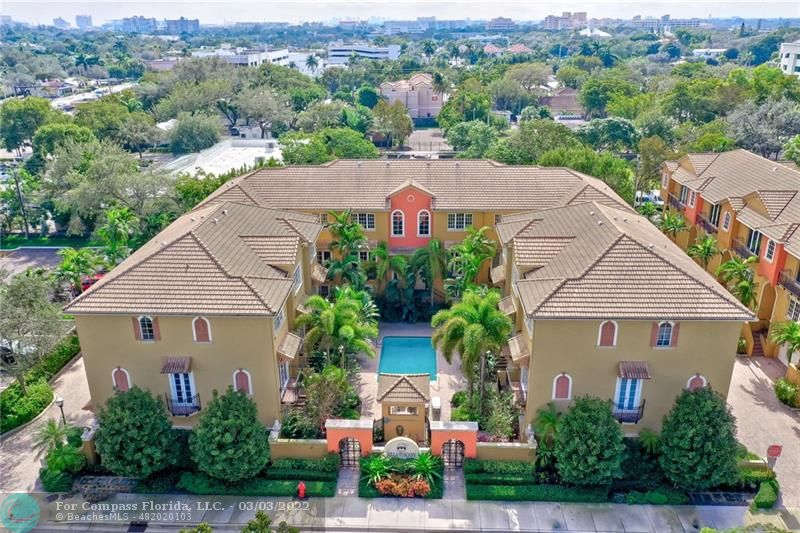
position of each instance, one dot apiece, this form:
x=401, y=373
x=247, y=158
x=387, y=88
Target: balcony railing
x=675, y=203
x=741, y=248
x=628, y=416
x=186, y=407
x=789, y=282
x=706, y=225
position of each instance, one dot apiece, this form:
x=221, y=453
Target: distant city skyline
x=44, y=11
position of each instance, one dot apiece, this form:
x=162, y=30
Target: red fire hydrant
x=301, y=490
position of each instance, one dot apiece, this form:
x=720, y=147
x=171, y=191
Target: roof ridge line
x=549, y=296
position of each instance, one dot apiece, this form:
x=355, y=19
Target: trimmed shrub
x=55, y=480
x=135, y=438
x=787, y=392
x=498, y=479
x=19, y=409
x=640, y=470
x=203, y=485
x=661, y=496
x=589, y=443
x=163, y=482
x=767, y=495
x=329, y=463
x=477, y=466
x=300, y=475
x=698, y=442
x=230, y=443
x=538, y=493
x=65, y=459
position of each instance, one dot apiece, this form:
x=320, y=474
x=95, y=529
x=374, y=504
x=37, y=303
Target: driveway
x=20, y=260
x=21, y=464
x=762, y=420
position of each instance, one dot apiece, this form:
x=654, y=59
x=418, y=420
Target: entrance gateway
x=401, y=448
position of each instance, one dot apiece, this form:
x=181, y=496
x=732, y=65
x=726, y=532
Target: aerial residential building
x=751, y=206
x=501, y=24
x=246, y=57
x=60, y=23
x=492, y=50
x=138, y=25
x=790, y=58
x=182, y=25
x=602, y=302
x=518, y=49
x=417, y=94
x=663, y=24
x=567, y=21
x=340, y=53
x=83, y=22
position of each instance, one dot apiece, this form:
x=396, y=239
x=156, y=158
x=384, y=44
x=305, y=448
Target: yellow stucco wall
x=707, y=348
x=413, y=425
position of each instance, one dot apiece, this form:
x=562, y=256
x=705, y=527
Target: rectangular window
x=498, y=219
x=754, y=241
x=298, y=278
x=363, y=255
x=423, y=224
x=684, y=194
x=182, y=388
x=692, y=198
x=523, y=378
x=398, y=229
x=713, y=216
x=324, y=257
x=664, y=337
x=366, y=220
x=458, y=221
x=726, y=221
x=279, y=318
x=146, y=329
x=324, y=290
x=400, y=410
x=628, y=393
x=769, y=254
x=283, y=370
x=323, y=218
x=793, y=313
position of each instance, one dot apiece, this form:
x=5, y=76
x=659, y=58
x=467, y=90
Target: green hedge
x=477, y=466
x=498, y=479
x=657, y=497
x=537, y=493
x=300, y=475
x=18, y=409
x=329, y=463
x=205, y=485
x=767, y=495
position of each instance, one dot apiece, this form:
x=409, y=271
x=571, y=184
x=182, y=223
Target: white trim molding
x=208, y=328
x=249, y=380
x=402, y=221
x=691, y=378
x=127, y=376
x=569, y=388
x=428, y=214
x=600, y=333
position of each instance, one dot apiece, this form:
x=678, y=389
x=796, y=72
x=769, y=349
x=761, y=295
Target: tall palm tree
x=119, y=227
x=369, y=311
x=745, y=291
x=545, y=425
x=347, y=269
x=704, y=250
x=787, y=333
x=467, y=257
x=439, y=83
x=337, y=323
x=431, y=261
x=474, y=328
x=348, y=235
x=735, y=270
x=386, y=264
x=76, y=263
x=648, y=209
x=673, y=223
x=312, y=63
x=428, y=48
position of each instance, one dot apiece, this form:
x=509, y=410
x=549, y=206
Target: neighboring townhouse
x=751, y=206
x=417, y=94
x=407, y=203
x=608, y=306
x=208, y=303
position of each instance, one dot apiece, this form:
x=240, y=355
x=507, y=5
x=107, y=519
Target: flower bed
x=403, y=478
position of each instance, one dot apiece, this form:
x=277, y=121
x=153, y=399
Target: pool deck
x=450, y=376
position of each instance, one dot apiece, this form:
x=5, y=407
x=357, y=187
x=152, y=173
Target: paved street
x=20, y=470
x=19, y=261
x=763, y=420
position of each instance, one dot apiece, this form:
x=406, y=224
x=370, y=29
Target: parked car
x=652, y=196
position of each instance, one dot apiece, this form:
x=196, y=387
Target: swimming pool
x=408, y=355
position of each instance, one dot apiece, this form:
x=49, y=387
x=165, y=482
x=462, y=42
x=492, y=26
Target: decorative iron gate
x=453, y=453
x=349, y=452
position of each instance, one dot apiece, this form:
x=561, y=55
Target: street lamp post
x=60, y=404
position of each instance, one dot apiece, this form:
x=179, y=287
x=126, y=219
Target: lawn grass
x=9, y=242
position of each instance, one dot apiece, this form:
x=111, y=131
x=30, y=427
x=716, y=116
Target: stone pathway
x=454, y=486
x=762, y=420
x=347, y=485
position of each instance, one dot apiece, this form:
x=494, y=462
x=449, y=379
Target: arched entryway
x=349, y=451
x=453, y=453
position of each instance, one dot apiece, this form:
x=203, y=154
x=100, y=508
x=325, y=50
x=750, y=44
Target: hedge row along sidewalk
x=19, y=409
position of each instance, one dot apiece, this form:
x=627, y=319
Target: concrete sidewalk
x=395, y=514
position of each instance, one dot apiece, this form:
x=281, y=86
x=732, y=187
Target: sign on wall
x=402, y=448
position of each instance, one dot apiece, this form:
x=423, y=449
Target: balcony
x=187, y=407
x=740, y=247
x=628, y=416
x=706, y=225
x=789, y=282
x=674, y=203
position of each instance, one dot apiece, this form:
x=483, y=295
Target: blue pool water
x=408, y=355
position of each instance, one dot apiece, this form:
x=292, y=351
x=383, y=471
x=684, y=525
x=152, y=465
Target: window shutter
x=653, y=334
x=675, y=329
x=137, y=331
x=121, y=380
x=607, y=332
x=562, y=387
x=242, y=383
x=201, y=330
x=156, y=330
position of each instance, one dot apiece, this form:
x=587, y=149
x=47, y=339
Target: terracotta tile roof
x=471, y=185
x=220, y=259
x=507, y=306
x=634, y=370
x=616, y=265
x=498, y=274
x=319, y=273
x=290, y=346
x=776, y=201
x=519, y=48
x=176, y=365
x=403, y=388
x=537, y=251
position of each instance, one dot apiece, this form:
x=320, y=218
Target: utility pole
x=21, y=204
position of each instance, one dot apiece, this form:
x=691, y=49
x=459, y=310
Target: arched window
x=147, y=331
x=696, y=382
x=607, y=336
x=562, y=387
x=423, y=224
x=121, y=379
x=398, y=224
x=242, y=381
x=664, y=335
x=201, y=330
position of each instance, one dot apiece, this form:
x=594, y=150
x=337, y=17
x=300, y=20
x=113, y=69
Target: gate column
x=361, y=430
x=466, y=432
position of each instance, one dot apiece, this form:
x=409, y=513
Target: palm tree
x=52, y=434
x=312, y=63
x=474, y=328
x=439, y=83
x=648, y=209
x=704, y=250
x=787, y=333
x=431, y=261
x=386, y=264
x=369, y=311
x=734, y=270
x=545, y=425
x=339, y=323
x=76, y=263
x=119, y=227
x=428, y=48
x=348, y=235
x=745, y=291
x=347, y=269
x=673, y=223
x=468, y=257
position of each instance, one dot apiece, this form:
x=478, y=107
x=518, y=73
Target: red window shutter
x=137, y=331
x=242, y=383
x=675, y=329
x=201, y=330
x=607, y=333
x=562, y=387
x=156, y=330
x=653, y=334
x=121, y=380
x=696, y=382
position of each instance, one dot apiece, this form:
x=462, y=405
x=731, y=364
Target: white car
x=652, y=196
